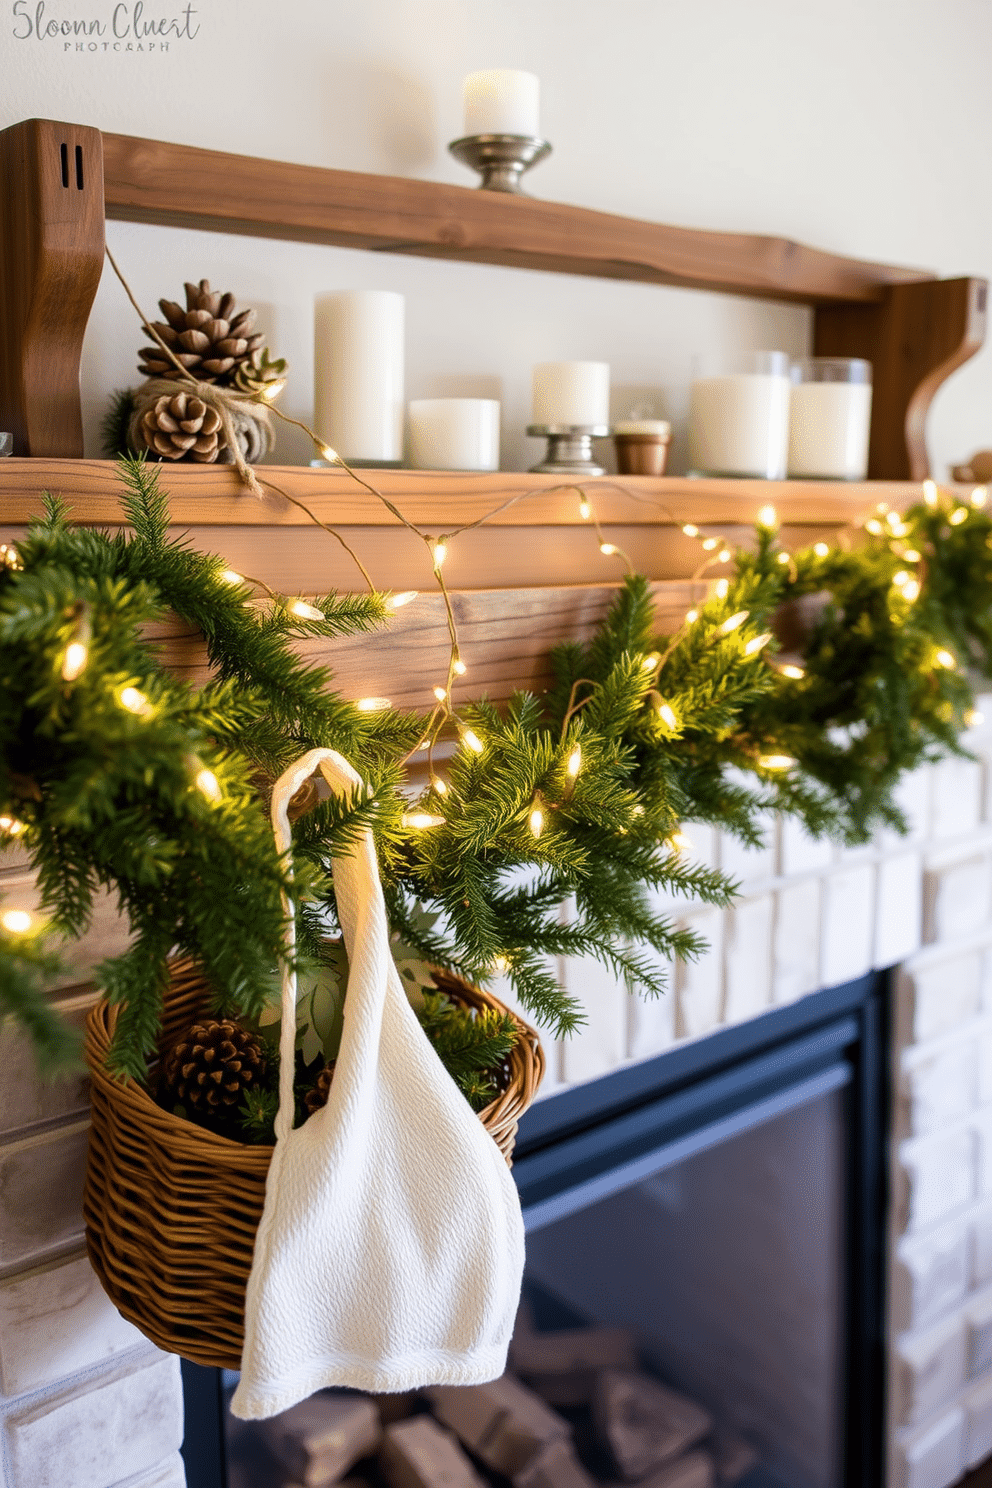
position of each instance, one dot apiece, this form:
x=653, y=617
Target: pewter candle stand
x=501, y=159
x=569, y=448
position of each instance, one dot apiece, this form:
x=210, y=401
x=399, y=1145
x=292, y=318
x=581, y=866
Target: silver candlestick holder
x=500, y=159
x=569, y=449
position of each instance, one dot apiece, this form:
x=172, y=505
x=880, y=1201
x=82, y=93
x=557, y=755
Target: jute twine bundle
x=246, y=422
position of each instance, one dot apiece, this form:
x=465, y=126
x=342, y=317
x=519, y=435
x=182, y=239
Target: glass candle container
x=739, y=415
x=454, y=434
x=830, y=418
x=642, y=446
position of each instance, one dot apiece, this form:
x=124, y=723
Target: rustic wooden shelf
x=59, y=182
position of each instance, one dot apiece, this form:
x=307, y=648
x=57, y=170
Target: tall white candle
x=739, y=424
x=571, y=393
x=502, y=101
x=358, y=373
x=829, y=424
x=454, y=434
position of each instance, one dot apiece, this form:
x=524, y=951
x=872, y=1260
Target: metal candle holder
x=569, y=449
x=501, y=159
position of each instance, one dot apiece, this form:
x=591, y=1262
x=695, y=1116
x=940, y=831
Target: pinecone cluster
x=207, y=337
x=182, y=427
x=317, y=1097
x=211, y=1068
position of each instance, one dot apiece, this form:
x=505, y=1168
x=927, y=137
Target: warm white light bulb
x=783, y=557
x=421, y=819
x=607, y=549
x=16, y=921
x=691, y=616
x=875, y=528
x=231, y=576
x=650, y=662
x=911, y=590
x=574, y=762
x=304, y=611
x=585, y=510
x=722, y=588
x=973, y=719
x=373, y=705
x=757, y=643
x=438, y=785
x=911, y=556
x=776, y=761
x=946, y=660
x=207, y=784
x=792, y=672
x=536, y=821
x=979, y=496
x=441, y=693
x=326, y=453
x=723, y=556
x=77, y=654
x=667, y=715
x=472, y=741
x=821, y=549
x=458, y=667
x=439, y=552
x=134, y=701
x=397, y=601
x=900, y=578
x=709, y=543
x=930, y=492
x=768, y=517
x=690, y=529
x=680, y=843
x=734, y=623
x=11, y=827
x=958, y=515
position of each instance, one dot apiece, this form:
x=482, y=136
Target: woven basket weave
x=171, y=1210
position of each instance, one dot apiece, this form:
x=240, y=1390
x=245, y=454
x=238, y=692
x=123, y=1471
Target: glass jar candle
x=830, y=418
x=739, y=415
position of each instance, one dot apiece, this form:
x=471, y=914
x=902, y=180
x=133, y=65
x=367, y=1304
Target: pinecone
x=210, y=1069
x=211, y=342
x=317, y=1097
x=181, y=427
x=260, y=377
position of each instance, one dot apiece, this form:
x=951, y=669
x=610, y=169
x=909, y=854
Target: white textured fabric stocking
x=390, y=1251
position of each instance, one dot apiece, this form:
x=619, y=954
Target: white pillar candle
x=571, y=393
x=502, y=101
x=358, y=373
x=739, y=422
x=454, y=434
x=829, y=424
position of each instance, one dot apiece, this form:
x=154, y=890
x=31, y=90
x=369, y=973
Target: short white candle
x=454, y=434
x=358, y=373
x=829, y=424
x=571, y=393
x=739, y=424
x=502, y=101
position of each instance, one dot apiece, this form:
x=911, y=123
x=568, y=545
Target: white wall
x=861, y=126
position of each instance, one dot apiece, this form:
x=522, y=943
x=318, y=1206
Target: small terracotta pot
x=641, y=454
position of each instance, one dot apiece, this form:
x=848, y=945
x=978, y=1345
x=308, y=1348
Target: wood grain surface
x=504, y=636
x=184, y=186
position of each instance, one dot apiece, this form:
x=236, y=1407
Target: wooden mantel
x=58, y=183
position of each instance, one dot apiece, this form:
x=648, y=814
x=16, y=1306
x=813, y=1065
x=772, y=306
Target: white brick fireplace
x=85, y=1402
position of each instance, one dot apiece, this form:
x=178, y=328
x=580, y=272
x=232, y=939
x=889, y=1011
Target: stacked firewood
x=575, y=1412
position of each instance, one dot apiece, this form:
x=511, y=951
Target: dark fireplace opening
x=704, y=1294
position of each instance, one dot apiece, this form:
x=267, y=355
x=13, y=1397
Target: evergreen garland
x=561, y=816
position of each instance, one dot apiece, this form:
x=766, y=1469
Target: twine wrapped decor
x=199, y=421
x=171, y=1209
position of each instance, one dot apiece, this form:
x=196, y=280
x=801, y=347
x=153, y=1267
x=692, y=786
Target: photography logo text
x=114, y=27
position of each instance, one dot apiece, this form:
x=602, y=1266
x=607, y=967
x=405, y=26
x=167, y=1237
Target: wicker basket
x=171, y=1210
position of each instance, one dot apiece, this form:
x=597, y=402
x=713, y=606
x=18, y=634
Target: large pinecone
x=207, y=337
x=316, y=1098
x=212, y=1067
x=181, y=427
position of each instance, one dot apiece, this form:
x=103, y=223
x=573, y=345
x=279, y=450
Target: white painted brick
x=749, y=865
x=937, y=997
x=25, y=1096
x=796, y=944
x=957, y=798
x=848, y=924
x=169, y=1474
x=699, y=984
x=55, y=1321
x=123, y=1427
x=932, y=1457
x=930, y=1275
x=898, y=908
x=978, y=1429
x=748, y=958
x=936, y=1086
x=935, y=1176
x=929, y=1370
x=651, y=1023
x=978, y=1329
x=41, y=1193
x=912, y=796
x=980, y=1246
x=601, y=1042
x=956, y=898
x=799, y=852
